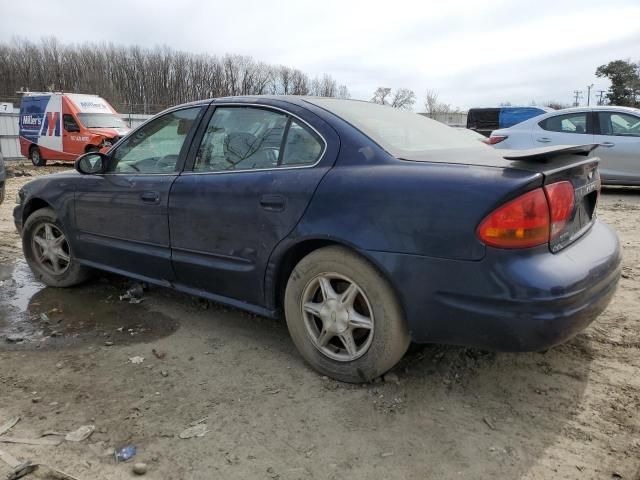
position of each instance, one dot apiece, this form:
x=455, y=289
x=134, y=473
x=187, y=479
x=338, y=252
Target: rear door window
x=250, y=138
x=302, y=146
x=569, y=123
x=619, y=124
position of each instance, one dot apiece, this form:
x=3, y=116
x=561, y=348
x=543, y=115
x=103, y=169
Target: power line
x=577, y=94
x=600, y=95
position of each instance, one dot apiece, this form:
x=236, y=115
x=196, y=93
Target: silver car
x=616, y=129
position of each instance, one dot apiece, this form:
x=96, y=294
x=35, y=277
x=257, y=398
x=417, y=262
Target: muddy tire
x=36, y=157
x=343, y=316
x=48, y=251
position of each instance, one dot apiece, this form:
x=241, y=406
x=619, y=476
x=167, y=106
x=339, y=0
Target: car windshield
x=101, y=120
x=401, y=133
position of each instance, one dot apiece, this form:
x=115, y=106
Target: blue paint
x=213, y=235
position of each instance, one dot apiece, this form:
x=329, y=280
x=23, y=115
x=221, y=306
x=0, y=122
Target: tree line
x=140, y=80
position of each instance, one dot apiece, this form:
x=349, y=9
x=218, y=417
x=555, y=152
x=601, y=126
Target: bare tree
x=433, y=106
x=343, y=92
x=380, y=95
x=556, y=105
x=403, y=98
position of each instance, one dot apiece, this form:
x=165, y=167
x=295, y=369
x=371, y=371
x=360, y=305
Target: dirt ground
x=572, y=412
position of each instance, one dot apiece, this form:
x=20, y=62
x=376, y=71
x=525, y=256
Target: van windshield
x=401, y=133
x=101, y=120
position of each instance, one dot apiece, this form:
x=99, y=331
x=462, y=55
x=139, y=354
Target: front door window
x=156, y=147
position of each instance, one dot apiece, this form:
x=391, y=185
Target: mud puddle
x=35, y=316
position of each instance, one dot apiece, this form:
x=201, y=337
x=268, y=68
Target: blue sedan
x=367, y=227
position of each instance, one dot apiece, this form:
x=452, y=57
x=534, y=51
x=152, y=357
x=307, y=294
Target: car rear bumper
x=525, y=300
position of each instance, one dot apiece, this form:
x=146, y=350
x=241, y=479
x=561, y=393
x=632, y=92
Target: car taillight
x=531, y=219
x=493, y=139
x=561, y=201
x=520, y=223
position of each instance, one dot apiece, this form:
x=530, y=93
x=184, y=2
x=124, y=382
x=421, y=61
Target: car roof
x=597, y=107
x=300, y=100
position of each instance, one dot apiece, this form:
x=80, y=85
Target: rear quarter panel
x=420, y=208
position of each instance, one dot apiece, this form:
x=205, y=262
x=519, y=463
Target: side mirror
x=92, y=163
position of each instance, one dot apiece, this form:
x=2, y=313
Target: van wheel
x=48, y=252
x=36, y=157
x=343, y=316
x=92, y=148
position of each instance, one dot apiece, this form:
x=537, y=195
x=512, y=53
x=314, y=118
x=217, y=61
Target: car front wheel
x=343, y=316
x=48, y=251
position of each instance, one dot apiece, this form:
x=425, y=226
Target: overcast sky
x=473, y=53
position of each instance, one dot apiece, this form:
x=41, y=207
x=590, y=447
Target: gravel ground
x=571, y=412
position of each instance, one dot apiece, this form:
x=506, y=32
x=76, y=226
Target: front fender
x=54, y=191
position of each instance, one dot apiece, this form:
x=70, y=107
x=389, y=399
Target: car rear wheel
x=36, y=157
x=48, y=251
x=343, y=316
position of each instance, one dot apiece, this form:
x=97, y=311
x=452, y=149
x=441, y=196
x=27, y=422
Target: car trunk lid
x=571, y=163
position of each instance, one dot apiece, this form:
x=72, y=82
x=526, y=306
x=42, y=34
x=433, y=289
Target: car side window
x=156, y=147
x=302, y=146
x=619, y=124
x=569, y=123
x=70, y=124
x=241, y=138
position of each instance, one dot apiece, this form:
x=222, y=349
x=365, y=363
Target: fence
x=9, y=132
x=454, y=119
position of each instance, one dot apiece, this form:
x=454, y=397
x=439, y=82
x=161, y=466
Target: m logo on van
x=51, y=125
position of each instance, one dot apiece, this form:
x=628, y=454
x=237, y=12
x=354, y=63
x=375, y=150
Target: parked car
x=615, y=129
x=366, y=226
x=3, y=178
x=63, y=126
x=486, y=120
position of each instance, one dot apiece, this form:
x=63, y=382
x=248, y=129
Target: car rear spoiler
x=545, y=154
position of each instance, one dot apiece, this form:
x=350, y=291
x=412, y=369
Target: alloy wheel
x=338, y=317
x=51, y=249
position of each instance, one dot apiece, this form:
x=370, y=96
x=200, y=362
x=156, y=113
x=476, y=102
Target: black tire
x=92, y=148
x=73, y=273
x=36, y=157
x=390, y=338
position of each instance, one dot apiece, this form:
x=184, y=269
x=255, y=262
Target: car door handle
x=543, y=140
x=607, y=144
x=150, y=197
x=273, y=202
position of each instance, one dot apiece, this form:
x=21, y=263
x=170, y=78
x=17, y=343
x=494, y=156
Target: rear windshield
x=403, y=134
x=101, y=120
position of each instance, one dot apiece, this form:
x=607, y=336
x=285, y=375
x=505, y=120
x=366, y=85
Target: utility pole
x=600, y=94
x=577, y=95
x=589, y=87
